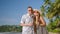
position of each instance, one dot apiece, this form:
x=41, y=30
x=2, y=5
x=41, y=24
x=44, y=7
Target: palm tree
x=51, y=10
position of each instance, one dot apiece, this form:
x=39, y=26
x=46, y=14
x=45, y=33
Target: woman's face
x=36, y=13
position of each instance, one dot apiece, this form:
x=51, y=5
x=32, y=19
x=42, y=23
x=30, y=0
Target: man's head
x=30, y=10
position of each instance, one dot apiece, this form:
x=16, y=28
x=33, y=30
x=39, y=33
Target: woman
x=39, y=23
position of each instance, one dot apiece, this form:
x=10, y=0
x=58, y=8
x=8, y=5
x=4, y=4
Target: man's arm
x=22, y=24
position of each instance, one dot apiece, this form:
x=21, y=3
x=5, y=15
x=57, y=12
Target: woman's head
x=36, y=12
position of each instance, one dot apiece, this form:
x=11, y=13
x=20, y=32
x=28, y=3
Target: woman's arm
x=43, y=23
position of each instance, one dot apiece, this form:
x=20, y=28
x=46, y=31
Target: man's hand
x=30, y=24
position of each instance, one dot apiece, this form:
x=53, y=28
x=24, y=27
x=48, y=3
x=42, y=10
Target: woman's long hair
x=38, y=11
x=35, y=29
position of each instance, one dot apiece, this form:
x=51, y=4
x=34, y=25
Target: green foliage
x=51, y=10
x=56, y=30
x=10, y=28
x=52, y=26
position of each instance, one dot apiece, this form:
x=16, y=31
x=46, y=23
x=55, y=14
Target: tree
x=51, y=10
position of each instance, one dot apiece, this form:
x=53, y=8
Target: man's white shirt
x=26, y=19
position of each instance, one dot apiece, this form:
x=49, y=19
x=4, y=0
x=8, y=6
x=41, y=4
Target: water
x=10, y=32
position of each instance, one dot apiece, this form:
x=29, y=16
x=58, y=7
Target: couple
x=33, y=22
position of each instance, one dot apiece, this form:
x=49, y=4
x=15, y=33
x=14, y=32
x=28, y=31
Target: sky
x=11, y=11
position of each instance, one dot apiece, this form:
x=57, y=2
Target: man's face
x=30, y=11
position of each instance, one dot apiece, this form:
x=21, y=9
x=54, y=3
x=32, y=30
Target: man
x=27, y=22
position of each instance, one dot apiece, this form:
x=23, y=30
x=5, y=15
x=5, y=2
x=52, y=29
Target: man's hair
x=30, y=7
